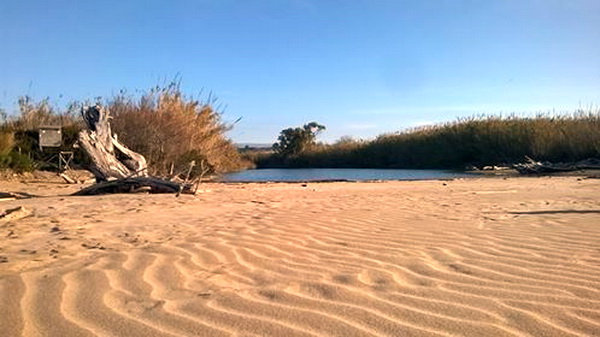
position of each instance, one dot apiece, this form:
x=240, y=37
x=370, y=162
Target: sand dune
x=479, y=257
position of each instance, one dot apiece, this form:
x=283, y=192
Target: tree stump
x=110, y=159
x=117, y=169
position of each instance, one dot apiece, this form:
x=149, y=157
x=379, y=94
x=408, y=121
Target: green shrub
x=17, y=162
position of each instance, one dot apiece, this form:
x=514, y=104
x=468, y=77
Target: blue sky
x=361, y=67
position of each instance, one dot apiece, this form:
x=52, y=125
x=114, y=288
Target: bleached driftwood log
x=536, y=167
x=134, y=185
x=117, y=169
x=110, y=159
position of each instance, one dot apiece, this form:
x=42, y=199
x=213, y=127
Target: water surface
x=263, y=175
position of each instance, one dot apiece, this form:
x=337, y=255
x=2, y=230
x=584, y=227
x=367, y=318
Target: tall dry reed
x=171, y=131
x=477, y=141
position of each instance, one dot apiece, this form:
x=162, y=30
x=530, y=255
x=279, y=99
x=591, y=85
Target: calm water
x=338, y=174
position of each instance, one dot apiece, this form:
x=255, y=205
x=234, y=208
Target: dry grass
x=171, y=130
x=483, y=140
x=7, y=142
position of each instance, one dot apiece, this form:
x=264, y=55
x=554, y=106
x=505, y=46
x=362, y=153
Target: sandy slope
x=482, y=257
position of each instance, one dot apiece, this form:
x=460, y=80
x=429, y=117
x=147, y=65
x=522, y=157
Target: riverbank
x=477, y=141
x=477, y=257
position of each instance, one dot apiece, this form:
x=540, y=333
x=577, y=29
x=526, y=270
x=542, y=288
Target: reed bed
x=171, y=131
x=475, y=141
x=168, y=128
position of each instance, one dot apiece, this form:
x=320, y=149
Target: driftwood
x=8, y=196
x=67, y=179
x=536, y=167
x=14, y=214
x=136, y=185
x=117, y=169
x=110, y=159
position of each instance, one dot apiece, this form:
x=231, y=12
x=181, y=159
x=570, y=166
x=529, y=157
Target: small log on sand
x=7, y=196
x=67, y=179
x=14, y=214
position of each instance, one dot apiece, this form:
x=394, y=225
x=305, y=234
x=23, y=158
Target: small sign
x=50, y=136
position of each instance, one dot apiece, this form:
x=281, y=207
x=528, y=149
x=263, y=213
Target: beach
x=490, y=256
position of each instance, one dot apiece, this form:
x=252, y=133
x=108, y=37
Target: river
x=294, y=175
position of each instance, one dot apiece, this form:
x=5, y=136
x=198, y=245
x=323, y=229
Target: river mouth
x=332, y=175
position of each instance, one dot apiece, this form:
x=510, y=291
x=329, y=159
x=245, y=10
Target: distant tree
x=293, y=141
x=346, y=140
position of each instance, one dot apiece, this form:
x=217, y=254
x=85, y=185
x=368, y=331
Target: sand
x=475, y=257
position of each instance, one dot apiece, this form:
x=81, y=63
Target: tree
x=293, y=141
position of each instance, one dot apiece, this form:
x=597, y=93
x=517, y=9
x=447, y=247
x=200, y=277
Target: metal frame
x=64, y=160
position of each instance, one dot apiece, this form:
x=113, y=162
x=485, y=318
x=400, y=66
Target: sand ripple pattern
x=457, y=258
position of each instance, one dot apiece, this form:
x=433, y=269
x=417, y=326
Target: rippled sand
x=478, y=257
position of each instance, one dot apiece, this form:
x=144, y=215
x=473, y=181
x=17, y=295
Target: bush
x=171, y=130
x=26, y=155
x=17, y=162
x=7, y=142
x=477, y=141
x=10, y=159
x=164, y=126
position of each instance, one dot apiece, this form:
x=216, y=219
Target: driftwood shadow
x=561, y=211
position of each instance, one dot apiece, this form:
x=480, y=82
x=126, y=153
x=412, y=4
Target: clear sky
x=360, y=67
